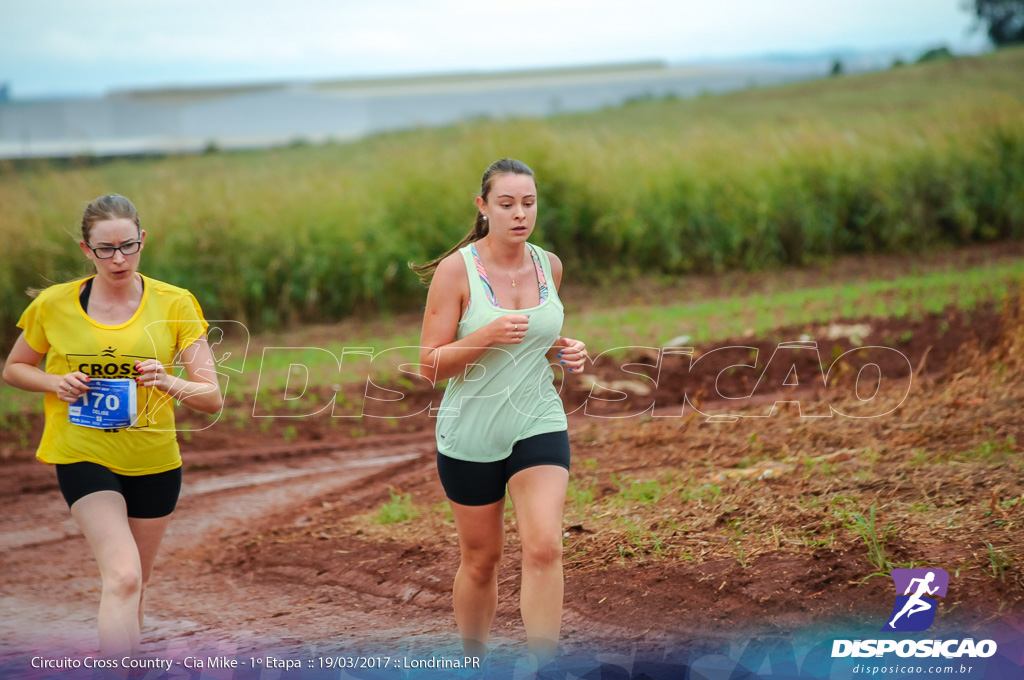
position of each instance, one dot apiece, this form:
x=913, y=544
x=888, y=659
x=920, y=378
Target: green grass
x=15, y=404
x=580, y=494
x=611, y=330
x=875, y=538
x=652, y=325
x=641, y=540
x=710, y=320
x=705, y=493
x=608, y=331
x=736, y=541
x=998, y=561
x=445, y=510
x=399, y=509
x=338, y=362
x=991, y=450
x=642, y=492
x=894, y=161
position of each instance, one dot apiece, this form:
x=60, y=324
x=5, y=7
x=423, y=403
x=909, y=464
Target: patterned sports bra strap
x=542, y=280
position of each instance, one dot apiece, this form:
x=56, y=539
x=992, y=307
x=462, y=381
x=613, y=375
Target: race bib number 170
x=109, y=404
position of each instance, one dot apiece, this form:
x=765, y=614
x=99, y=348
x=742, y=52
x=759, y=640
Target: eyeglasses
x=107, y=252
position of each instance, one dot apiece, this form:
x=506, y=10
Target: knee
x=542, y=554
x=124, y=583
x=481, y=566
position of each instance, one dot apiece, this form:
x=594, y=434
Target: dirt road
x=271, y=549
x=51, y=583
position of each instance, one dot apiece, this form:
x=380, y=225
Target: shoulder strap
x=83, y=297
x=547, y=283
x=483, y=283
x=475, y=286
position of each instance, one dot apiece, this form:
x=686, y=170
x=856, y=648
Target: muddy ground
x=675, y=527
x=720, y=510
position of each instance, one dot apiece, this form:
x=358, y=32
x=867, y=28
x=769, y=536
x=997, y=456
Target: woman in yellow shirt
x=121, y=479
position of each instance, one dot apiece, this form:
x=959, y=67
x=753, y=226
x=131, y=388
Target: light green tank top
x=508, y=394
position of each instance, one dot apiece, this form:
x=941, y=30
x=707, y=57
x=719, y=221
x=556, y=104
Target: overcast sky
x=61, y=47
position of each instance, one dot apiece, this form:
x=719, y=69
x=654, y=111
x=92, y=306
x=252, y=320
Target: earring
x=485, y=218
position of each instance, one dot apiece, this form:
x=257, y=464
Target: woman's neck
x=509, y=256
x=129, y=291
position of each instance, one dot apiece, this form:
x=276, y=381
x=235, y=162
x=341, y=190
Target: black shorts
x=146, y=496
x=468, y=483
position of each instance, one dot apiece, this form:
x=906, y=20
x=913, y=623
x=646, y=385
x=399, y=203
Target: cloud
x=45, y=43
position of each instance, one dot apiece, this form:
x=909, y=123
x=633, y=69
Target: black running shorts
x=146, y=496
x=468, y=483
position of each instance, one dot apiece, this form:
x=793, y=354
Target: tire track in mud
x=51, y=584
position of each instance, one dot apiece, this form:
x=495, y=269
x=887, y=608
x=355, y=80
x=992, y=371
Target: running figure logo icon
x=914, y=609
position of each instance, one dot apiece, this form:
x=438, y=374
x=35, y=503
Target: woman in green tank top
x=491, y=327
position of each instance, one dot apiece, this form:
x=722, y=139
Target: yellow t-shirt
x=167, y=321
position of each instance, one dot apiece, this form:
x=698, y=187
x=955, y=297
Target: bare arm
x=556, y=269
x=201, y=392
x=22, y=371
x=441, y=355
x=566, y=351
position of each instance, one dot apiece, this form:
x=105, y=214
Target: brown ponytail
x=505, y=166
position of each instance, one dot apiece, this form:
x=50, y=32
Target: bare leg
x=539, y=496
x=481, y=538
x=104, y=521
x=148, y=533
